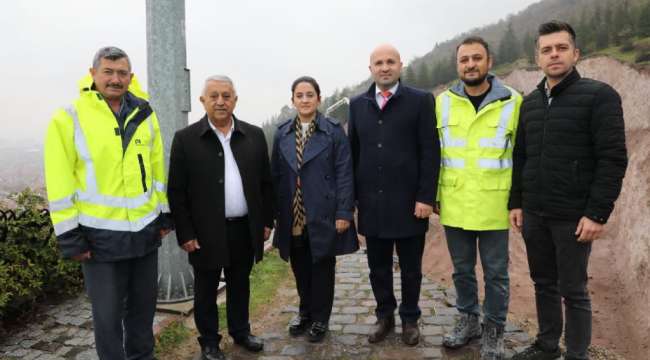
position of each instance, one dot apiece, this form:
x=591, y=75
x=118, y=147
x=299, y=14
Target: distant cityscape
x=21, y=166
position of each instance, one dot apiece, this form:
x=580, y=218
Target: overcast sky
x=262, y=45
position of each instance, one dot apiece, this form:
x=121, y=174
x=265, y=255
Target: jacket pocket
x=143, y=173
x=496, y=183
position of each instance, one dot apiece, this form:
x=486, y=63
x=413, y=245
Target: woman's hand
x=342, y=225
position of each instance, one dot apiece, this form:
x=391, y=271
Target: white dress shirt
x=235, y=200
x=380, y=98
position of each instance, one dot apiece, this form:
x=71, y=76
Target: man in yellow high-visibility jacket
x=478, y=120
x=105, y=177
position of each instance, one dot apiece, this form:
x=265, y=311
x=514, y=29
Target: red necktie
x=385, y=95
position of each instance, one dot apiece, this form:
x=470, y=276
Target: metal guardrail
x=7, y=216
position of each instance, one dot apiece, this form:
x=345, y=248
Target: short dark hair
x=307, y=79
x=474, y=40
x=555, y=26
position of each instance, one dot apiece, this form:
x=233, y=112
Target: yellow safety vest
x=90, y=179
x=476, y=166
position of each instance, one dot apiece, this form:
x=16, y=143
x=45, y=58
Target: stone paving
x=353, y=318
x=61, y=332
x=64, y=331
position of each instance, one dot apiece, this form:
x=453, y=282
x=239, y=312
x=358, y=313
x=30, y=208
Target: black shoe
x=317, y=332
x=212, y=353
x=534, y=352
x=383, y=327
x=410, y=333
x=250, y=343
x=298, y=325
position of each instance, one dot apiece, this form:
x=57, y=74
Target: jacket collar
x=498, y=91
x=573, y=76
x=204, y=126
x=371, y=94
x=86, y=84
x=321, y=124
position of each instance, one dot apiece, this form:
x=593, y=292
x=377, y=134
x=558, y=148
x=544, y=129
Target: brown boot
x=382, y=328
x=410, y=333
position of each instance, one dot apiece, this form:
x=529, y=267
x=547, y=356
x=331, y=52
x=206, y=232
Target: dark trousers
x=558, y=266
x=380, y=261
x=206, y=282
x=123, y=297
x=314, y=281
x=493, y=249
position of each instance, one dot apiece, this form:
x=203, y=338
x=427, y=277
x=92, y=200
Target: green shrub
x=642, y=57
x=628, y=45
x=30, y=263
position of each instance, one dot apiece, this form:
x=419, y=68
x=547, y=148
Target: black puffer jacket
x=570, y=155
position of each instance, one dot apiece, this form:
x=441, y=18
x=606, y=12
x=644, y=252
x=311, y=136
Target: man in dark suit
x=220, y=193
x=396, y=156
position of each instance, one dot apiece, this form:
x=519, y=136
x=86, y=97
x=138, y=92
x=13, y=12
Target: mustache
x=115, y=86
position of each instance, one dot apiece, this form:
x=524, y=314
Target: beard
x=474, y=82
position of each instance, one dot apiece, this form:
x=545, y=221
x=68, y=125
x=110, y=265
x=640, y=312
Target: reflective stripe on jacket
x=476, y=164
x=92, y=180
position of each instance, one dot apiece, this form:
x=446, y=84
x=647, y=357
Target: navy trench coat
x=327, y=185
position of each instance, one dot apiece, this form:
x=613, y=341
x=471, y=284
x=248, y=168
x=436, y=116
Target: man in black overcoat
x=220, y=194
x=396, y=157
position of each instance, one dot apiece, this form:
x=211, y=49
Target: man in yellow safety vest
x=478, y=120
x=105, y=177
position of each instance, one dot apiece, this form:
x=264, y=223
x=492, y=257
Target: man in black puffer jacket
x=569, y=162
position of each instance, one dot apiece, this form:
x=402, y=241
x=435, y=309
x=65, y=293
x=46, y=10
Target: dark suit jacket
x=327, y=186
x=396, y=156
x=196, y=189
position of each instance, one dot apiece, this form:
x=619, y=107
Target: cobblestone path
x=64, y=331
x=353, y=317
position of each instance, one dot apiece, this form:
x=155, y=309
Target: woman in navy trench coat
x=326, y=183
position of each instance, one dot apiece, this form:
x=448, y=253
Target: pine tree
x=528, y=47
x=424, y=81
x=643, y=25
x=602, y=32
x=409, y=75
x=509, y=46
x=584, y=34
x=620, y=26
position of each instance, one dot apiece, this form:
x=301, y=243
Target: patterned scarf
x=298, y=205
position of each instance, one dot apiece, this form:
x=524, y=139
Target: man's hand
x=191, y=246
x=422, y=210
x=342, y=225
x=164, y=232
x=588, y=230
x=267, y=233
x=82, y=257
x=516, y=217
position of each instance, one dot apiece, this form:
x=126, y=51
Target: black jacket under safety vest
x=570, y=155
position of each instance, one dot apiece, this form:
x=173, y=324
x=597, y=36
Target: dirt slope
x=619, y=267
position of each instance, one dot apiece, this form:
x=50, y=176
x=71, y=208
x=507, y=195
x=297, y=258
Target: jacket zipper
x=143, y=172
x=541, y=155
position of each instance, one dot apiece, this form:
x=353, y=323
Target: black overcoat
x=196, y=189
x=396, y=157
x=327, y=186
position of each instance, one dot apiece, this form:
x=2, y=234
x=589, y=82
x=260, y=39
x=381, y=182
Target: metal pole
x=169, y=90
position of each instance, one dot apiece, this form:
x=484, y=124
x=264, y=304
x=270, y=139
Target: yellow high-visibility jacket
x=476, y=151
x=105, y=196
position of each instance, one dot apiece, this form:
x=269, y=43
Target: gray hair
x=219, y=78
x=111, y=53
